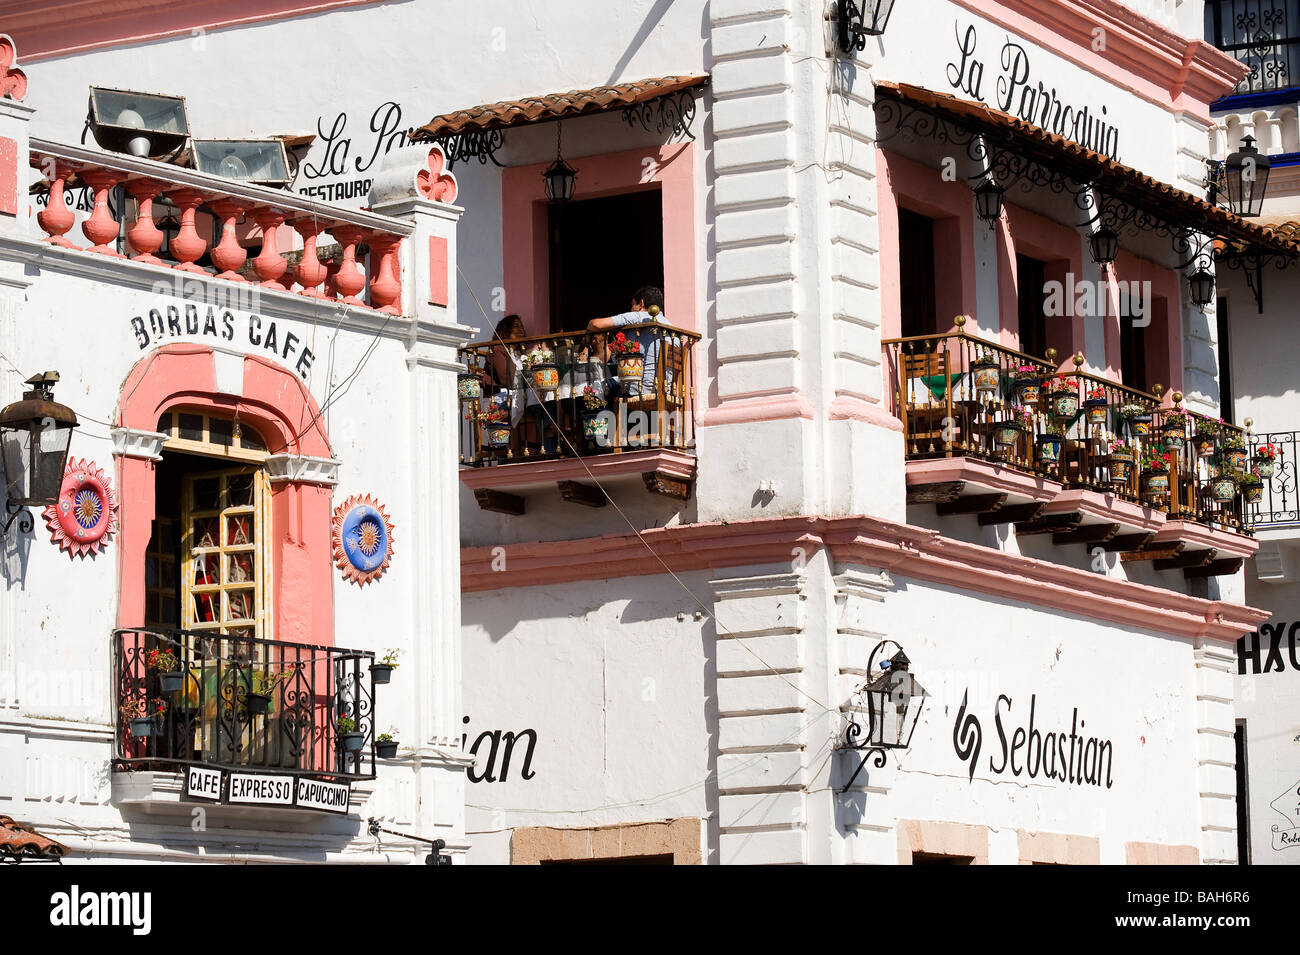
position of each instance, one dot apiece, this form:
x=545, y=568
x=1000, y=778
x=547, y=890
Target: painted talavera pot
x=496, y=435
x=1006, y=434
x=595, y=425
x=1263, y=467
x=1049, y=448
x=1140, y=424
x=469, y=387
x=1252, y=491
x=1027, y=390
x=1204, y=444
x=1223, y=489
x=1234, y=458
x=546, y=376
x=987, y=377
x=1096, y=409
x=1155, y=484
x=1173, y=434
x=1121, y=468
x=1064, y=404
x=630, y=368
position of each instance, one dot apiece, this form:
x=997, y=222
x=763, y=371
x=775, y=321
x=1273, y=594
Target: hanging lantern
x=34, y=438
x=893, y=702
x=859, y=21
x=988, y=201
x=1202, y=286
x=1245, y=179
x=559, y=175
x=1104, y=244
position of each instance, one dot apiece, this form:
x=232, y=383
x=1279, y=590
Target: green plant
x=347, y=725
x=1134, y=411
x=137, y=706
x=162, y=660
x=264, y=682
x=1157, y=460
x=1233, y=439
x=1121, y=447
x=591, y=401
x=384, y=738
x=1056, y=428
x=1208, y=426
x=1176, y=416
x=390, y=656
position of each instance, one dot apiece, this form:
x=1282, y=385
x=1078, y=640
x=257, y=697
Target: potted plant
x=142, y=714
x=1095, y=404
x=1173, y=429
x=386, y=745
x=1029, y=380
x=1049, y=443
x=595, y=425
x=1138, y=418
x=544, y=373
x=1252, y=488
x=261, y=689
x=351, y=739
x=163, y=662
x=1206, y=436
x=986, y=374
x=495, y=426
x=630, y=361
x=1156, y=465
x=1223, y=486
x=1063, y=399
x=469, y=386
x=1232, y=450
x=1263, y=462
x=1006, y=434
x=382, y=670
x=1121, y=461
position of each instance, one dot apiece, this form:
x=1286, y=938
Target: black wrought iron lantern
x=859, y=21
x=892, y=701
x=34, y=437
x=988, y=201
x=1201, y=285
x=1104, y=245
x=559, y=176
x=1245, y=179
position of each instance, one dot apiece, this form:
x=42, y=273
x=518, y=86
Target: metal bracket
x=21, y=514
x=433, y=858
x=1251, y=265
x=480, y=144
x=671, y=114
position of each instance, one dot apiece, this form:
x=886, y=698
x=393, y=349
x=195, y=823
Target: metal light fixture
x=893, y=702
x=1245, y=179
x=856, y=23
x=1201, y=284
x=988, y=201
x=34, y=438
x=261, y=161
x=142, y=124
x=559, y=175
x=1104, y=245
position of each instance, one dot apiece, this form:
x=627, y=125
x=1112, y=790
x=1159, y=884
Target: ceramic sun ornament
x=363, y=539
x=84, y=517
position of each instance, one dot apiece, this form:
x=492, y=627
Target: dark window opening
x=1031, y=292
x=1225, y=362
x=916, y=274
x=1133, y=355
x=601, y=251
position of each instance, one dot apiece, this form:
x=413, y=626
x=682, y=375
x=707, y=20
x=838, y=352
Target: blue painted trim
x=1289, y=94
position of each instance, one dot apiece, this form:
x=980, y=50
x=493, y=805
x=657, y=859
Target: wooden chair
x=931, y=420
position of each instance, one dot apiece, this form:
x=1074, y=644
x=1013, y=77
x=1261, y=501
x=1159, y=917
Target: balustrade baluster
x=188, y=246
x=385, y=286
x=145, y=237
x=228, y=255
x=101, y=228
x=310, y=272
x=270, y=264
x=56, y=218
x=350, y=279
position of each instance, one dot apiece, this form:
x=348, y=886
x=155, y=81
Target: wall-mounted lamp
x=34, y=438
x=989, y=197
x=1245, y=179
x=893, y=702
x=1201, y=284
x=856, y=23
x=1104, y=245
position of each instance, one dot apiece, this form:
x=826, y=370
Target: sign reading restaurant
x=1019, y=91
x=274, y=790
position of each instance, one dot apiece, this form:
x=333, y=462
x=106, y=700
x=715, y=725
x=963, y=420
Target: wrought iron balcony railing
x=960, y=396
x=571, y=395
x=238, y=702
x=1280, y=504
x=1263, y=34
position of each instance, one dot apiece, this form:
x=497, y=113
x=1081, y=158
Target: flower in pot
x=986, y=374
x=1206, y=436
x=1232, y=450
x=382, y=669
x=1063, y=400
x=351, y=739
x=630, y=361
x=261, y=689
x=170, y=675
x=1006, y=434
x=386, y=745
x=1173, y=429
x=542, y=370
x=1263, y=463
x=1156, y=465
x=1121, y=462
x=1252, y=488
x=1095, y=404
x=142, y=714
x=1049, y=444
x=595, y=425
x=495, y=426
x=1029, y=379
x=1138, y=418
x=1223, y=486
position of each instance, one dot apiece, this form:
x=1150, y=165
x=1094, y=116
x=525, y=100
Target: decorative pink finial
x=13, y=81
x=435, y=182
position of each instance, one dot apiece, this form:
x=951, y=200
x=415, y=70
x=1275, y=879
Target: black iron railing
x=585, y=398
x=1262, y=34
x=959, y=396
x=1279, y=506
x=185, y=697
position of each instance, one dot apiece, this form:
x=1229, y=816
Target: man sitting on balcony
x=635, y=321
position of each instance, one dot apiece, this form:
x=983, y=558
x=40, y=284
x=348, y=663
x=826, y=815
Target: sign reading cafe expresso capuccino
x=273, y=790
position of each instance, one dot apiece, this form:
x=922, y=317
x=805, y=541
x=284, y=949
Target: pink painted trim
x=985, y=474
x=439, y=280
x=749, y=410
x=52, y=28
x=903, y=549
x=1108, y=509
x=675, y=464
x=1060, y=247
x=849, y=408
x=1198, y=536
x=1149, y=60
x=8, y=176
x=523, y=227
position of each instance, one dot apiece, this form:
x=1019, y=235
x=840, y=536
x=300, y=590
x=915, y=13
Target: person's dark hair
x=512, y=326
x=649, y=295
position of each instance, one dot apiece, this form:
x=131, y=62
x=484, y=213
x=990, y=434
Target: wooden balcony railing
x=959, y=396
x=570, y=395
x=198, y=235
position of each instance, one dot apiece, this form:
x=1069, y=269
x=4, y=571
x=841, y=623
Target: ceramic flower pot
x=630, y=368
x=1096, y=410
x=1222, y=489
x=1155, y=484
x=1204, y=444
x=1234, y=458
x=1173, y=434
x=1139, y=424
x=1252, y=491
x=1263, y=466
x=1027, y=390
x=386, y=749
x=142, y=728
x=545, y=376
x=595, y=426
x=987, y=377
x=496, y=435
x=1064, y=404
x=352, y=742
x=469, y=387
x=1006, y=434
x=1121, y=468
x=1049, y=448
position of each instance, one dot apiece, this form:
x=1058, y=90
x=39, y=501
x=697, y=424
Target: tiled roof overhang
x=552, y=106
x=20, y=843
x=1113, y=179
